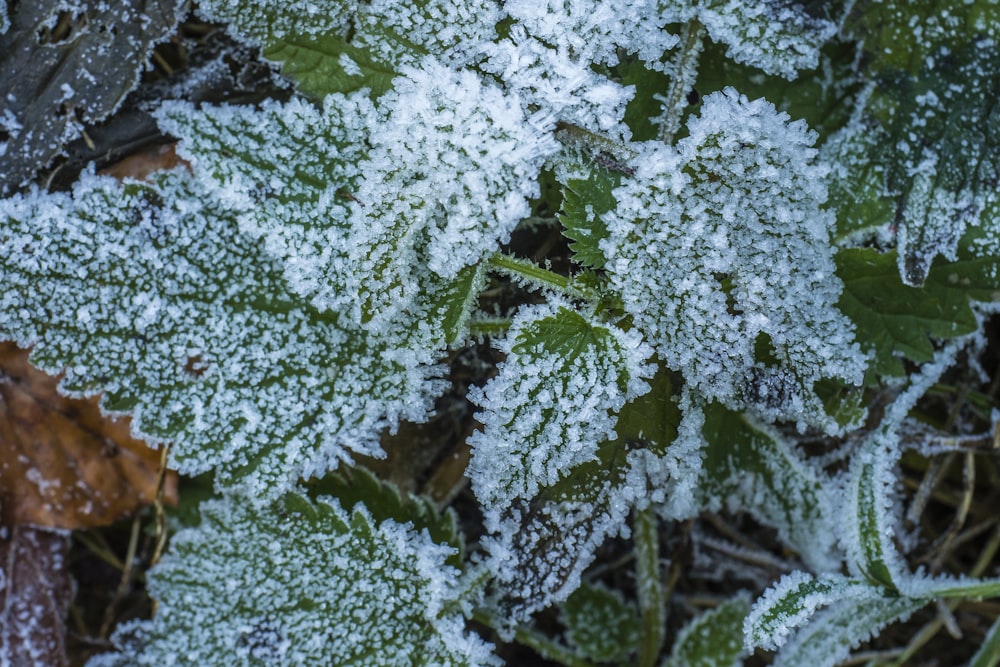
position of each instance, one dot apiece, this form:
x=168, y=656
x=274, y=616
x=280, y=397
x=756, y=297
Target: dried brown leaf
x=62, y=463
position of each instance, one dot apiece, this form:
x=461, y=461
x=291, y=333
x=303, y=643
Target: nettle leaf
x=751, y=467
x=777, y=37
x=895, y=321
x=714, y=638
x=833, y=632
x=720, y=252
x=54, y=77
x=300, y=583
x=335, y=46
x=600, y=624
x=792, y=601
x=587, y=194
x=926, y=128
x=554, y=400
x=553, y=403
x=596, y=32
x=152, y=295
x=286, y=172
x=452, y=166
x=821, y=98
x=293, y=174
x=382, y=500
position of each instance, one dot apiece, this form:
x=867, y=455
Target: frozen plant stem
x=650, y=586
x=529, y=272
x=684, y=69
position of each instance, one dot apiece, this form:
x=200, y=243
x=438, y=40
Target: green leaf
x=828, y=639
x=714, y=638
x=554, y=401
x=926, y=127
x=150, y=293
x=791, y=603
x=600, y=624
x=734, y=295
x=988, y=654
x=895, y=321
x=548, y=411
x=353, y=487
x=334, y=46
x=301, y=583
x=760, y=471
x=324, y=64
x=869, y=523
x=587, y=195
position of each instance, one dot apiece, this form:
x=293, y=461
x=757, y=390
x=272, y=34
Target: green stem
x=489, y=326
x=684, y=71
x=530, y=272
x=652, y=605
x=536, y=641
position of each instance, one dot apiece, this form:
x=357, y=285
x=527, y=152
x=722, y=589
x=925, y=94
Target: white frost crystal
x=721, y=253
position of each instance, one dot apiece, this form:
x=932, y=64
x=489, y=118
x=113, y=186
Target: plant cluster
x=783, y=226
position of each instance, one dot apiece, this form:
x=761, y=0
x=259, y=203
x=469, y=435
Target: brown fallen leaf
x=142, y=163
x=34, y=597
x=62, y=463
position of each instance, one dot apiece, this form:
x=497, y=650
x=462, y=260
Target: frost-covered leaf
x=720, y=252
x=549, y=410
x=895, y=321
x=828, y=639
x=595, y=31
x=382, y=500
x=927, y=127
x=713, y=638
x=751, y=467
x=294, y=175
x=553, y=402
x=287, y=173
x=452, y=166
x=66, y=63
x=777, y=36
x=337, y=46
x=300, y=583
x=791, y=603
x=151, y=294
x=587, y=194
x=822, y=97
x=600, y=624
x=869, y=522
x=557, y=83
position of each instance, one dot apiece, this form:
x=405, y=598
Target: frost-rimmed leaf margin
x=791, y=602
x=297, y=582
x=149, y=293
